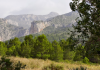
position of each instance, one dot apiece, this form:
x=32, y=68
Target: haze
x=36, y=7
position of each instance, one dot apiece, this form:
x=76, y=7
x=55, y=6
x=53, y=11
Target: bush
x=77, y=58
x=5, y=64
x=53, y=67
x=81, y=68
x=85, y=60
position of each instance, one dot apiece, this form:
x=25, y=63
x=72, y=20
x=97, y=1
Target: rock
x=8, y=31
x=25, y=20
x=38, y=26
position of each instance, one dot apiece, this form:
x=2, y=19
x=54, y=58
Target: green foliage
x=11, y=50
x=93, y=50
x=30, y=41
x=3, y=49
x=88, y=26
x=25, y=49
x=14, y=47
x=67, y=46
x=57, y=52
x=85, y=60
x=80, y=53
x=68, y=55
x=42, y=47
x=5, y=64
x=53, y=67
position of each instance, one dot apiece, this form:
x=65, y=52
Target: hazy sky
x=36, y=7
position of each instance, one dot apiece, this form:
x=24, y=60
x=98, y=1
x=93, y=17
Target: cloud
x=36, y=7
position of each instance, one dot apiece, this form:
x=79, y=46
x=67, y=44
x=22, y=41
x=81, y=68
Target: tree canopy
x=89, y=22
x=88, y=25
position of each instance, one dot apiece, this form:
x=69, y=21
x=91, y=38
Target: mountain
x=7, y=31
x=26, y=19
x=55, y=28
x=51, y=24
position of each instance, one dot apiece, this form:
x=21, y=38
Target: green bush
x=53, y=67
x=5, y=64
x=85, y=60
x=77, y=58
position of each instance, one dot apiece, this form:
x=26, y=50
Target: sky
x=36, y=7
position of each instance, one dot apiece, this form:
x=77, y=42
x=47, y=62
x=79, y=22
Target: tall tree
x=25, y=49
x=68, y=47
x=29, y=39
x=3, y=48
x=57, y=52
x=89, y=22
x=15, y=43
x=42, y=47
x=88, y=25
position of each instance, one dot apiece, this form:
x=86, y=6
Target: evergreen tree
x=3, y=49
x=11, y=50
x=80, y=53
x=57, y=52
x=14, y=43
x=68, y=53
x=25, y=49
x=29, y=39
x=42, y=47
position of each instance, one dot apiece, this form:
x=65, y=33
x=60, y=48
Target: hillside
x=26, y=19
x=61, y=21
x=54, y=28
x=7, y=31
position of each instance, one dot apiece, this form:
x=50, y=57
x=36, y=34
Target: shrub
x=5, y=64
x=85, y=60
x=81, y=68
x=53, y=67
x=77, y=58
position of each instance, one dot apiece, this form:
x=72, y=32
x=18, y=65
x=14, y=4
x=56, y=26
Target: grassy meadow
x=38, y=64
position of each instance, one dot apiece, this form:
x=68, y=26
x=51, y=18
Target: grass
x=38, y=64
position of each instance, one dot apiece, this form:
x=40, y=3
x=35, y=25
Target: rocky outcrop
x=12, y=22
x=38, y=26
x=25, y=20
x=8, y=31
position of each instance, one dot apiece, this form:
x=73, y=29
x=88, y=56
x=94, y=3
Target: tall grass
x=39, y=64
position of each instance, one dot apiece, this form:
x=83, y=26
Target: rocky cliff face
x=8, y=31
x=25, y=20
x=38, y=26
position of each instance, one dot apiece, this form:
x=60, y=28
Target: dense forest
x=40, y=47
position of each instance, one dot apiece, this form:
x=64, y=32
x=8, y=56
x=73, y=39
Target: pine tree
x=42, y=47
x=3, y=49
x=57, y=52
x=29, y=39
x=14, y=43
x=25, y=49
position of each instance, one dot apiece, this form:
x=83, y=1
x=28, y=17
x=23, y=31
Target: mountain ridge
x=26, y=19
x=49, y=26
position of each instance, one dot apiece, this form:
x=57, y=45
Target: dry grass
x=38, y=64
